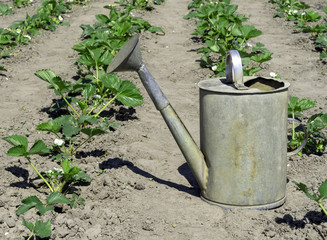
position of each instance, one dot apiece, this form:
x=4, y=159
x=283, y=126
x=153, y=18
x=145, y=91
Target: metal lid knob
x=234, y=70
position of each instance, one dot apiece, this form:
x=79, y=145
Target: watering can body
x=243, y=137
x=243, y=130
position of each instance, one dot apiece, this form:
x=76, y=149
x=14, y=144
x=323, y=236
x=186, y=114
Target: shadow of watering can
x=243, y=132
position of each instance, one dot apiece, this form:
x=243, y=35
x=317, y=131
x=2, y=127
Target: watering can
x=243, y=132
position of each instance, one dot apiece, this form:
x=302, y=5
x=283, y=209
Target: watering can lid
x=236, y=83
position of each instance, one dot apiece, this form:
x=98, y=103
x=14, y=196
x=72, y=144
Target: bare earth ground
x=147, y=190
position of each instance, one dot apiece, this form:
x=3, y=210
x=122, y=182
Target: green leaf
x=111, y=81
x=102, y=18
x=263, y=57
x=39, y=147
x=82, y=177
x=246, y=31
x=29, y=225
x=82, y=105
x=88, y=91
x=17, y=140
x=65, y=120
x=28, y=203
x=70, y=130
x=87, y=119
x=50, y=126
x=154, y=29
x=65, y=164
x=86, y=60
x=43, y=229
x=17, y=151
x=304, y=189
x=95, y=53
x=323, y=190
x=54, y=80
x=305, y=104
x=106, y=58
x=105, y=125
x=324, y=118
x=129, y=95
x=293, y=102
x=323, y=55
x=92, y=131
x=57, y=197
x=59, y=85
x=322, y=39
x=76, y=201
x=70, y=176
x=46, y=75
x=43, y=209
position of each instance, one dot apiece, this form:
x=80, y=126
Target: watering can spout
x=129, y=59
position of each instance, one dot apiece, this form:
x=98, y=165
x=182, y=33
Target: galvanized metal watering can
x=243, y=132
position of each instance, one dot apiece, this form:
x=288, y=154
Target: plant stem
x=30, y=236
x=322, y=207
x=81, y=145
x=96, y=115
x=46, y=182
x=93, y=108
x=70, y=106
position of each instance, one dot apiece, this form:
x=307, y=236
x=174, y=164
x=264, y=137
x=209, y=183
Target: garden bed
x=141, y=187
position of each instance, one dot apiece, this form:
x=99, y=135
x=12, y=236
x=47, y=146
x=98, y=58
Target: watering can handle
x=234, y=69
x=296, y=151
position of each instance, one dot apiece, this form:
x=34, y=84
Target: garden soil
x=141, y=185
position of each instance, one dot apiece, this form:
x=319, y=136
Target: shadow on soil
x=19, y=173
x=312, y=217
x=183, y=170
x=94, y=153
x=119, y=113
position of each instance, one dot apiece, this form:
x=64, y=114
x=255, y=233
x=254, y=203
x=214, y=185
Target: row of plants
x=308, y=21
x=7, y=9
x=221, y=29
x=305, y=20
x=48, y=17
x=79, y=112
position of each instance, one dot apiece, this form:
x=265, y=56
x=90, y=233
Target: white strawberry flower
x=272, y=74
x=59, y=142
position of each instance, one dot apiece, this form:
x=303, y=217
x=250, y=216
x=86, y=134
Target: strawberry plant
x=315, y=124
x=317, y=198
x=221, y=29
x=69, y=175
x=5, y=9
x=96, y=94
